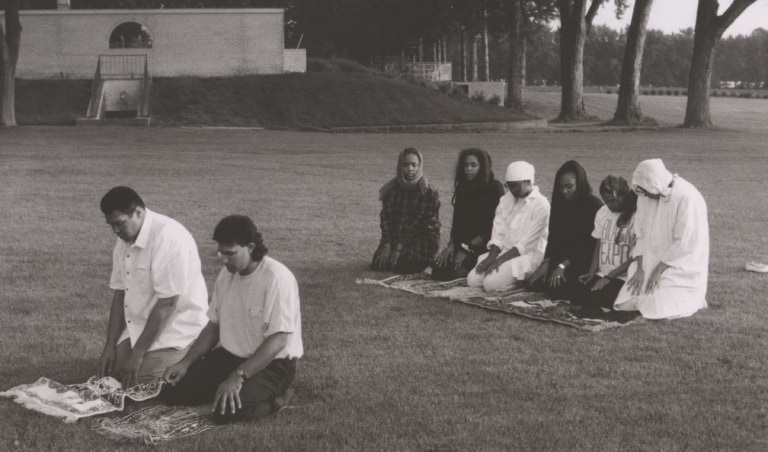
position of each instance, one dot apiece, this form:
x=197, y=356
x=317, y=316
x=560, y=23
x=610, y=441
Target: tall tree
x=524, y=19
x=709, y=29
x=628, y=107
x=10, y=40
x=575, y=21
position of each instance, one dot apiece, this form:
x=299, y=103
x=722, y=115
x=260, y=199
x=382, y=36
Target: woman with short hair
x=476, y=194
x=410, y=221
x=570, y=243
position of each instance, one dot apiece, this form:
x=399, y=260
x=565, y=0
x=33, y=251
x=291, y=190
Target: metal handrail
x=122, y=66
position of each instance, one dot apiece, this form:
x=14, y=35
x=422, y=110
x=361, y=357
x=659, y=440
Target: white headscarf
x=519, y=171
x=654, y=177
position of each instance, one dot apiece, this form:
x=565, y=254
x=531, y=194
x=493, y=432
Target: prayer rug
x=72, y=402
x=533, y=305
x=155, y=424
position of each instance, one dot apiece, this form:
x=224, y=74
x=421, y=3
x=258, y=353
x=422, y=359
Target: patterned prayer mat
x=72, y=402
x=516, y=301
x=155, y=424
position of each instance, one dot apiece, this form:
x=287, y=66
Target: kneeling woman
x=410, y=221
x=614, y=231
x=475, y=197
x=570, y=243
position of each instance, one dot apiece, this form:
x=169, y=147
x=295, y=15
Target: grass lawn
x=385, y=370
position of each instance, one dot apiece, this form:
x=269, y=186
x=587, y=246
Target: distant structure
x=67, y=43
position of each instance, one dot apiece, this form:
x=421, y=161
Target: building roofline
x=85, y=12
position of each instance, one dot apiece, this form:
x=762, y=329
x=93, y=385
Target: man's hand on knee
x=228, y=395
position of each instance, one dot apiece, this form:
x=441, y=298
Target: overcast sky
x=671, y=16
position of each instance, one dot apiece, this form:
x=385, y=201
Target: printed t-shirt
x=613, y=254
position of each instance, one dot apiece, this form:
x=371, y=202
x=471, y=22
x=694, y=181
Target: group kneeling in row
x=643, y=247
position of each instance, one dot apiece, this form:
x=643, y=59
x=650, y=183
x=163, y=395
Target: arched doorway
x=130, y=35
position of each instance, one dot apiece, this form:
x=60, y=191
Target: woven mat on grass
x=155, y=424
x=72, y=402
x=516, y=301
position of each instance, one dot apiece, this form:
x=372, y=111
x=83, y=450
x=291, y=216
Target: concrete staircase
x=120, y=92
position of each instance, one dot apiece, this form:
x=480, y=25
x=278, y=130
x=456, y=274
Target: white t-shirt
x=250, y=308
x=163, y=262
x=613, y=254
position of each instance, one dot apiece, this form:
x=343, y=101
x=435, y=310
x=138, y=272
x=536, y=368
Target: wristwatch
x=241, y=374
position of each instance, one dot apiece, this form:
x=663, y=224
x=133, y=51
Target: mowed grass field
x=385, y=370
x=726, y=112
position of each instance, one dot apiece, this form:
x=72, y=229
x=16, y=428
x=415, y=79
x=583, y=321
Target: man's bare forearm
x=116, y=318
x=156, y=322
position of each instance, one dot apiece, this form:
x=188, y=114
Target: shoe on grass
x=285, y=401
x=757, y=267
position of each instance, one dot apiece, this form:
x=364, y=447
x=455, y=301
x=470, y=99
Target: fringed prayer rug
x=155, y=424
x=516, y=301
x=72, y=402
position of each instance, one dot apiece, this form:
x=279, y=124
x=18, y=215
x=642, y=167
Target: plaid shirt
x=412, y=218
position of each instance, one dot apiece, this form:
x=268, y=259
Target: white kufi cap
x=519, y=171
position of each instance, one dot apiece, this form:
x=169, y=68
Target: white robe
x=673, y=230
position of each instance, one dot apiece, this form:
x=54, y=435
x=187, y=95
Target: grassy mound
x=315, y=100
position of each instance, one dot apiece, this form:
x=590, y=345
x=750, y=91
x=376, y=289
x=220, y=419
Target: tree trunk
x=475, y=40
x=444, y=58
x=709, y=29
x=9, y=48
x=486, y=51
x=573, y=34
x=421, y=50
x=463, y=56
x=628, y=108
x=517, y=44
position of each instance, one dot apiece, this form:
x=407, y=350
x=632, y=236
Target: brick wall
x=186, y=42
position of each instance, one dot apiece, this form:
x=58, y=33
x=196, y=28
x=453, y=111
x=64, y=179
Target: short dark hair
x=239, y=229
x=122, y=198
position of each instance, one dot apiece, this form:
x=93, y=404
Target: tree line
x=741, y=59
x=570, y=50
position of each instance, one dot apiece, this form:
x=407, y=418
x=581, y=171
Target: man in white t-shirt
x=160, y=298
x=255, y=317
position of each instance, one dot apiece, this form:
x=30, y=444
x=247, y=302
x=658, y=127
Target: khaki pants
x=155, y=361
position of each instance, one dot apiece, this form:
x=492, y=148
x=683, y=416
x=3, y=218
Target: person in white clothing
x=255, y=319
x=519, y=234
x=160, y=297
x=669, y=275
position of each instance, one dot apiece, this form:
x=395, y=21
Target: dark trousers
x=405, y=265
x=199, y=385
x=448, y=273
x=603, y=298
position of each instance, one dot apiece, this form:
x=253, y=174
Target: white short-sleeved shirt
x=250, y=308
x=613, y=254
x=163, y=262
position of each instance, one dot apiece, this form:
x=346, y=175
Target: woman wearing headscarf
x=615, y=236
x=410, y=222
x=570, y=244
x=476, y=194
x=668, y=278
